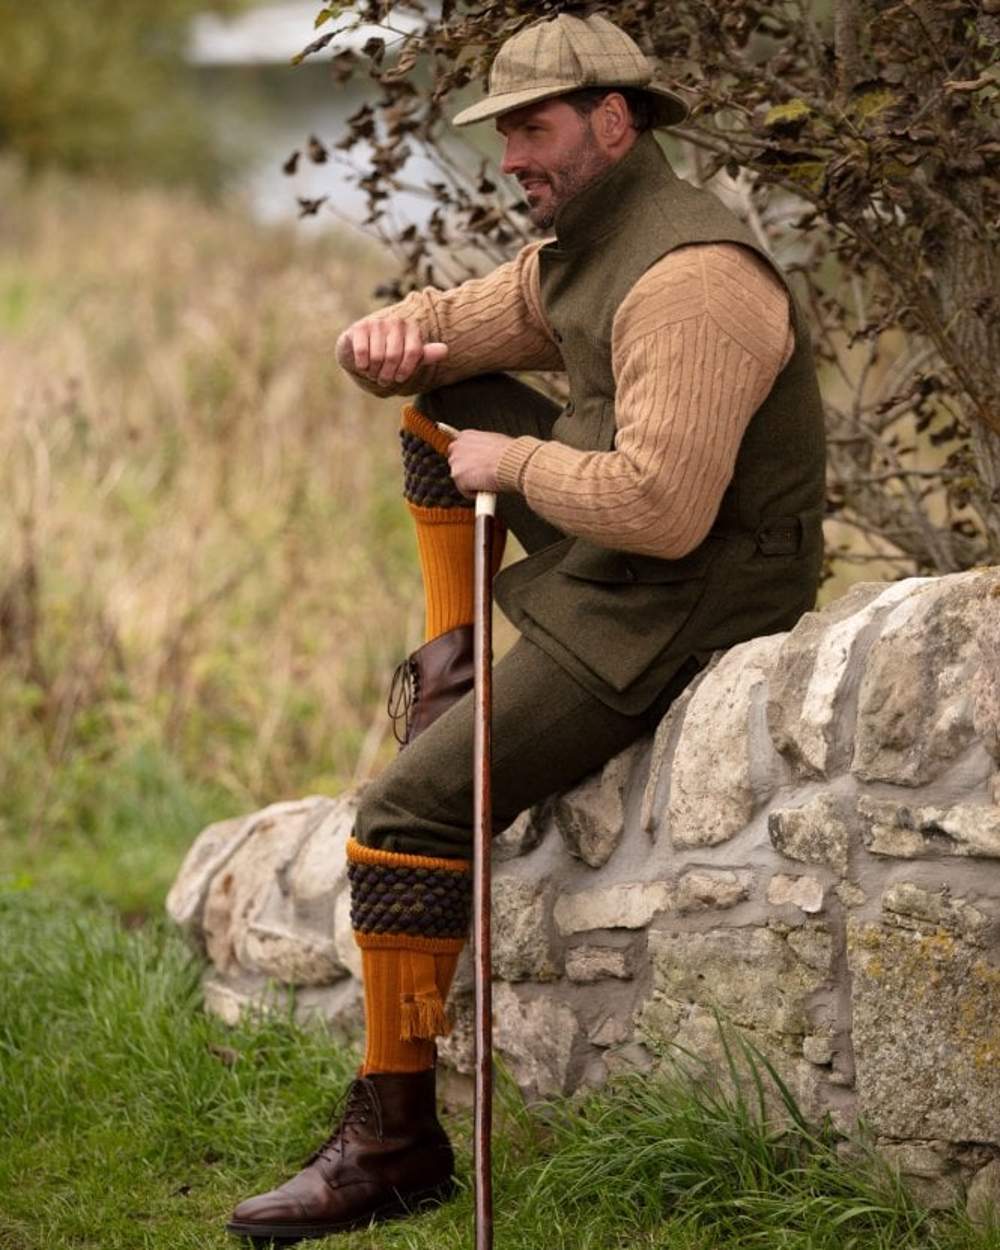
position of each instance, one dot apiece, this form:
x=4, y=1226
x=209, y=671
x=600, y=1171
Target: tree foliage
x=859, y=138
x=102, y=86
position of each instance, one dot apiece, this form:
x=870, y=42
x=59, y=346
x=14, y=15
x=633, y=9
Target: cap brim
x=671, y=110
x=494, y=105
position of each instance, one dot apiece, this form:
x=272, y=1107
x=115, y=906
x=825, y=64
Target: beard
x=581, y=166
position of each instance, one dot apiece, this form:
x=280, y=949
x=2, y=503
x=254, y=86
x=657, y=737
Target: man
x=672, y=508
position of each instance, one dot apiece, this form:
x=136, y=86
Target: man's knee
x=372, y=824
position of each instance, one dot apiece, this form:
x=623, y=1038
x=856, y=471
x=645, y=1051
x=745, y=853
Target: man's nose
x=512, y=157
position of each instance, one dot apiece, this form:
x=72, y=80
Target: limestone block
x=523, y=835
x=818, y=1049
x=716, y=780
x=926, y=1031
x=711, y=889
x=815, y=833
x=591, y=817
x=213, y=849
x=319, y=871
x=631, y=905
x=751, y=975
x=661, y=754
x=288, y=932
x=340, y=1006
x=250, y=873
x=983, y=1198
x=915, y=699
x=587, y=964
x=696, y=1045
x=209, y=852
x=806, y=893
x=520, y=933
x=292, y=956
x=458, y=1049
x=610, y=1031
x=986, y=683
x=815, y=665
x=851, y=894
x=910, y=906
x=909, y=832
x=348, y=951
x=230, y=998
x=930, y=1174
x=813, y=943
x=628, y=1059
x=536, y=1039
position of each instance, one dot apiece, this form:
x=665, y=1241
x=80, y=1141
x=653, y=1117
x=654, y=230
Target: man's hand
x=473, y=458
x=388, y=351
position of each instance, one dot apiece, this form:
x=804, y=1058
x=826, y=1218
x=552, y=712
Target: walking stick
x=482, y=839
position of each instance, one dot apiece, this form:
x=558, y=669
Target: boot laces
x=404, y=691
x=356, y=1105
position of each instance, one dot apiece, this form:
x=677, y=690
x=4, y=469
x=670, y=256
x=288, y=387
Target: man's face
x=553, y=152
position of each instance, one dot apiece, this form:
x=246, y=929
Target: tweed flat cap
x=563, y=54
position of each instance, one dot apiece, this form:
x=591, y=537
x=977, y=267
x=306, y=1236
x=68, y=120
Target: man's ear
x=614, y=118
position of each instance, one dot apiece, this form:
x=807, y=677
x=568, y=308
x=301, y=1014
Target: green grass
x=130, y=1119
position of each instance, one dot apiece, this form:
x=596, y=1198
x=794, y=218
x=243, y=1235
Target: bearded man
x=672, y=508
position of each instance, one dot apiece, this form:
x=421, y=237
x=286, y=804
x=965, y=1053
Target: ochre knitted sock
x=410, y=915
x=444, y=521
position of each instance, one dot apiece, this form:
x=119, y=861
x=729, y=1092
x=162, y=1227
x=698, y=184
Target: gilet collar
x=608, y=203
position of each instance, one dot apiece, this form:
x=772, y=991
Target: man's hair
x=639, y=104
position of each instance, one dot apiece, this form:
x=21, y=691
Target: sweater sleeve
x=491, y=323
x=696, y=346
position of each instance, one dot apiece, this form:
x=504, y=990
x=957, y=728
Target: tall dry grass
x=202, y=544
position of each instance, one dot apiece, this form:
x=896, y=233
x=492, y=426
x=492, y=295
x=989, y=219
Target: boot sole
x=403, y=1205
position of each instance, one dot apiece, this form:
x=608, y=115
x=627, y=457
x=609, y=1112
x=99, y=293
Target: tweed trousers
x=548, y=731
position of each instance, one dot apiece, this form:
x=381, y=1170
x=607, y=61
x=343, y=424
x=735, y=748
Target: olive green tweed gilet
x=622, y=624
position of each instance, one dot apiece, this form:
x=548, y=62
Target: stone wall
x=810, y=846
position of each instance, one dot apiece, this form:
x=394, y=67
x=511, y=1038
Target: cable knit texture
x=696, y=346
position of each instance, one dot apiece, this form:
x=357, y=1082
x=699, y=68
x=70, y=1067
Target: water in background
x=264, y=108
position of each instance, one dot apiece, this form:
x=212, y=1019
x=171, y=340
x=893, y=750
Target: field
x=206, y=571
x=206, y=574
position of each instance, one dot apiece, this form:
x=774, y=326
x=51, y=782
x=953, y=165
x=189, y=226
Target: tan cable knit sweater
x=696, y=346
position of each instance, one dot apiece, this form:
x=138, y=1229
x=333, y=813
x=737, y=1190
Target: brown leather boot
x=429, y=681
x=387, y=1157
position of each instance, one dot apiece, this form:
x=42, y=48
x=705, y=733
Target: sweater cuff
x=516, y=455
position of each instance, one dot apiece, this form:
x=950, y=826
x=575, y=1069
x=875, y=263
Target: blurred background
x=206, y=576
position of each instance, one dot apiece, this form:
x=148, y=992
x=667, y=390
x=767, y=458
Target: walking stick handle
x=486, y=503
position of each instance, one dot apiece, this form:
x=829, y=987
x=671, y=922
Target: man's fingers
x=433, y=352
x=361, y=341
x=393, y=353
x=344, y=351
x=388, y=350
x=376, y=349
x=413, y=351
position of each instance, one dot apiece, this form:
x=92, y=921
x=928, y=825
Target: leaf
x=871, y=103
x=782, y=114
x=309, y=208
x=374, y=49
x=317, y=45
x=317, y=152
x=327, y=14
